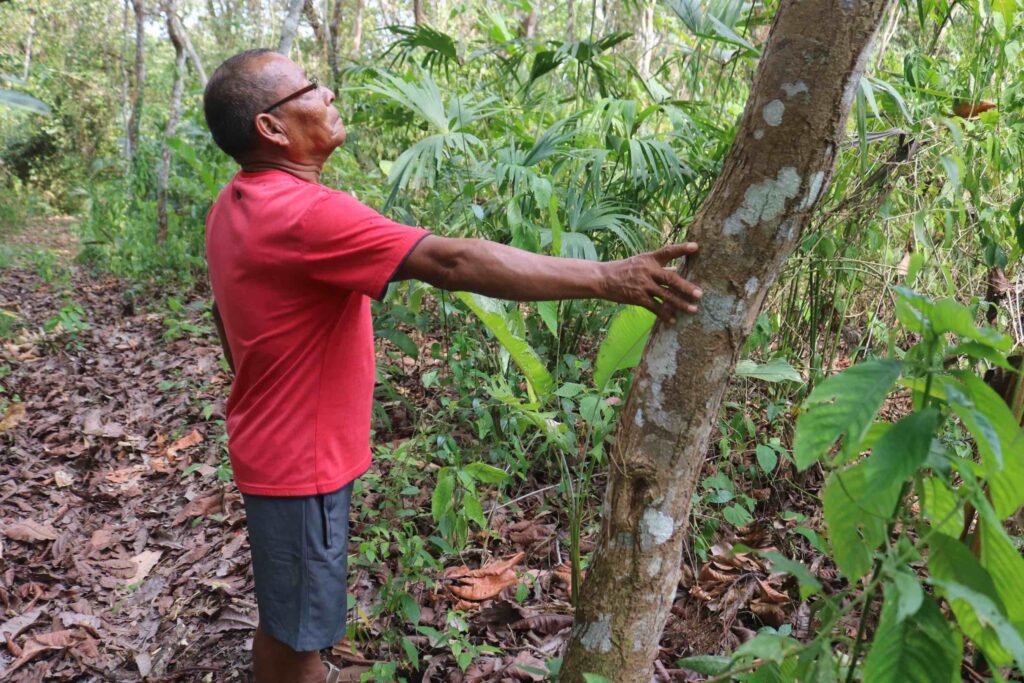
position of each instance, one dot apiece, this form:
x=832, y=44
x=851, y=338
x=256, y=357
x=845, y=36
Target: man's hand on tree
x=644, y=280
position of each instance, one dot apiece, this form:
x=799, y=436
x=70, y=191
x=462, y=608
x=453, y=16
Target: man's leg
x=275, y=662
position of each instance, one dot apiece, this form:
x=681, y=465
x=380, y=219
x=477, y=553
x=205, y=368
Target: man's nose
x=329, y=94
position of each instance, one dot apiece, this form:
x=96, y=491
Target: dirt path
x=116, y=564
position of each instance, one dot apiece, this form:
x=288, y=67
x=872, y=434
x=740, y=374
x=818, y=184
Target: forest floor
x=123, y=553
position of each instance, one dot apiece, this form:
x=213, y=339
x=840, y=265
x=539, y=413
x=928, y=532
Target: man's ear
x=271, y=129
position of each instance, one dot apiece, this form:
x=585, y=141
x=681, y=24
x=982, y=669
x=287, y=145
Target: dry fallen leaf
x=191, y=439
x=13, y=627
x=37, y=644
x=15, y=412
x=30, y=530
x=486, y=582
x=63, y=478
x=970, y=110
x=144, y=562
x=206, y=505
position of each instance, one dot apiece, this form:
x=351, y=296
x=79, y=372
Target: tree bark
x=332, y=20
x=319, y=30
x=28, y=45
x=357, y=29
x=780, y=164
x=417, y=12
x=135, y=118
x=291, y=25
x=647, y=39
x=175, y=27
x=163, y=175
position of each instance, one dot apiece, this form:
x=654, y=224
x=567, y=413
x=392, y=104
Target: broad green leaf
x=984, y=610
x=441, y=501
x=19, y=100
x=925, y=649
x=549, y=314
x=595, y=678
x=709, y=665
x=1005, y=565
x=948, y=315
x=767, y=646
x=485, y=473
x=940, y=506
x=623, y=345
x=775, y=370
x=999, y=437
x=492, y=315
x=767, y=458
x=474, y=510
x=908, y=592
x=903, y=449
x=857, y=514
x=952, y=563
x=842, y=406
x=809, y=584
x=400, y=339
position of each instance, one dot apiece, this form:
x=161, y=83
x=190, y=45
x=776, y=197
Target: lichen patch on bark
x=597, y=636
x=772, y=112
x=764, y=201
x=795, y=88
x=655, y=528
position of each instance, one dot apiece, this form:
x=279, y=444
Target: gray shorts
x=300, y=563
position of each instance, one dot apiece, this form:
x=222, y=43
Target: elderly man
x=293, y=266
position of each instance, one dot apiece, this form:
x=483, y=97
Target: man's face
x=312, y=125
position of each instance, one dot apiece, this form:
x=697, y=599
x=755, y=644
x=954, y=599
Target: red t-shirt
x=292, y=265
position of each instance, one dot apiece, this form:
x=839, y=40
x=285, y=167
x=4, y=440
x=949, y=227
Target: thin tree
x=779, y=166
x=291, y=25
x=138, y=81
x=163, y=175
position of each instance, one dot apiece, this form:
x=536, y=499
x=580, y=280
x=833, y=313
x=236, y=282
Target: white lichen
x=793, y=89
x=638, y=419
x=764, y=201
x=717, y=311
x=655, y=528
x=759, y=133
x=661, y=365
x=654, y=566
x=813, y=190
x=597, y=636
x=751, y=286
x=772, y=112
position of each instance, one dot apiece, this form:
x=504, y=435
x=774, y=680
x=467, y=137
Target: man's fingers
x=676, y=282
x=673, y=251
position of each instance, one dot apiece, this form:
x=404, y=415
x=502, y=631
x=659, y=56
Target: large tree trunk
x=135, y=118
x=357, y=29
x=291, y=25
x=780, y=164
x=163, y=175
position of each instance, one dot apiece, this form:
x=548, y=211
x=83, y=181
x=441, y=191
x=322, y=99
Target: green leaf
x=569, y=390
x=988, y=614
x=737, y=515
x=549, y=314
x=775, y=370
x=624, y=343
x=767, y=646
x=948, y=315
x=908, y=592
x=709, y=665
x=594, y=678
x=940, y=507
x=1003, y=561
x=486, y=473
x=474, y=510
x=441, y=501
x=925, y=649
x=844, y=404
x=857, y=515
x=952, y=563
x=903, y=449
x=492, y=315
x=400, y=339
x=767, y=458
x=997, y=434
x=19, y=100
x=809, y=584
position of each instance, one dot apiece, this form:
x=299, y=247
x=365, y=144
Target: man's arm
x=219, y=324
x=505, y=272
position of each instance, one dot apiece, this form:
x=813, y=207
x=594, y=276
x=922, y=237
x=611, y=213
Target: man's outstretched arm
x=504, y=272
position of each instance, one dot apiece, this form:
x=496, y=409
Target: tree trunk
x=291, y=25
x=570, y=21
x=780, y=164
x=647, y=39
x=528, y=26
x=28, y=45
x=332, y=18
x=357, y=29
x=163, y=175
x=134, y=119
x=322, y=36
x=175, y=27
x=417, y=12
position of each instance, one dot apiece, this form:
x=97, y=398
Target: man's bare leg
x=275, y=662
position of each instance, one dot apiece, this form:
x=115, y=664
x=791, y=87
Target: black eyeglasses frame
x=313, y=85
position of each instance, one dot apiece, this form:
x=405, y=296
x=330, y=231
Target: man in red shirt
x=293, y=265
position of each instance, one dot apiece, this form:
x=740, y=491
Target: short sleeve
x=348, y=245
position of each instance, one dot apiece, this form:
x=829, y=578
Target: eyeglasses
x=313, y=85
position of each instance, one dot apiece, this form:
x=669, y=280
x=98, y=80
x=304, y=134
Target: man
x=293, y=265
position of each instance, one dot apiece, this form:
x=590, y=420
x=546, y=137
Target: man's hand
x=643, y=280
